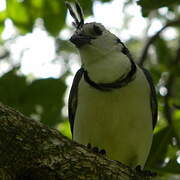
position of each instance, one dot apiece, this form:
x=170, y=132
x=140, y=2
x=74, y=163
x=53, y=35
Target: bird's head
x=93, y=40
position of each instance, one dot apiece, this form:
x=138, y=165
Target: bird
x=112, y=102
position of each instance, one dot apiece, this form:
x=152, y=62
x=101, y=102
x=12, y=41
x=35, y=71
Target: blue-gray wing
x=73, y=97
x=153, y=98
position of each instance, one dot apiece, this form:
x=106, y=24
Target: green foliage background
x=43, y=99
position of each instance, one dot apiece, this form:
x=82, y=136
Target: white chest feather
x=119, y=121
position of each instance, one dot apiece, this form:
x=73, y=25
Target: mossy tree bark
x=31, y=151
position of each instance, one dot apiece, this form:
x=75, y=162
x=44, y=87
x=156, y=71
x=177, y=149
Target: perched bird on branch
x=112, y=102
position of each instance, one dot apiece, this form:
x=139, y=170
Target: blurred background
x=37, y=62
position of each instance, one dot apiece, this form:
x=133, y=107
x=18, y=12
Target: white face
x=102, y=44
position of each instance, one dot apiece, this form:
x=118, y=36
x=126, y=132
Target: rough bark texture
x=31, y=151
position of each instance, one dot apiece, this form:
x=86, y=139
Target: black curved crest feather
x=79, y=18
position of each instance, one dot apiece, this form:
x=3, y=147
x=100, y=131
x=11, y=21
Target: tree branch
x=30, y=150
x=153, y=38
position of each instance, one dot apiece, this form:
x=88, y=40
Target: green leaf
x=19, y=14
x=11, y=89
x=43, y=98
x=159, y=148
x=64, y=128
x=176, y=99
x=1, y=30
x=105, y=0
x=37, y=3
x=3, y=16
x=172, y=165
x=46, y=97
x=148, y=6
x=163, y=52
x=24, y=14
x=53, y=16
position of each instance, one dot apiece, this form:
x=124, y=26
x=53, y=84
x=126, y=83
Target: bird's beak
x=80, y=39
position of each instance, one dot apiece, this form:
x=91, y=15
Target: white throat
x=109, y=69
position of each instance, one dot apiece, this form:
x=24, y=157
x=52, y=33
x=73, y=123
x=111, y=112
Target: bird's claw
x=96, y=149
x=141, y=172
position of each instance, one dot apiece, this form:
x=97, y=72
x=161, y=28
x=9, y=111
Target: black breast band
x=121, y=82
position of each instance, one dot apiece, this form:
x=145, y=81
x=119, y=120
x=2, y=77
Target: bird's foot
x=145, y=173
x=96, y=149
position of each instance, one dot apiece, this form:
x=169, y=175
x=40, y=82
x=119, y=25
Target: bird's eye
x=97, y=30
